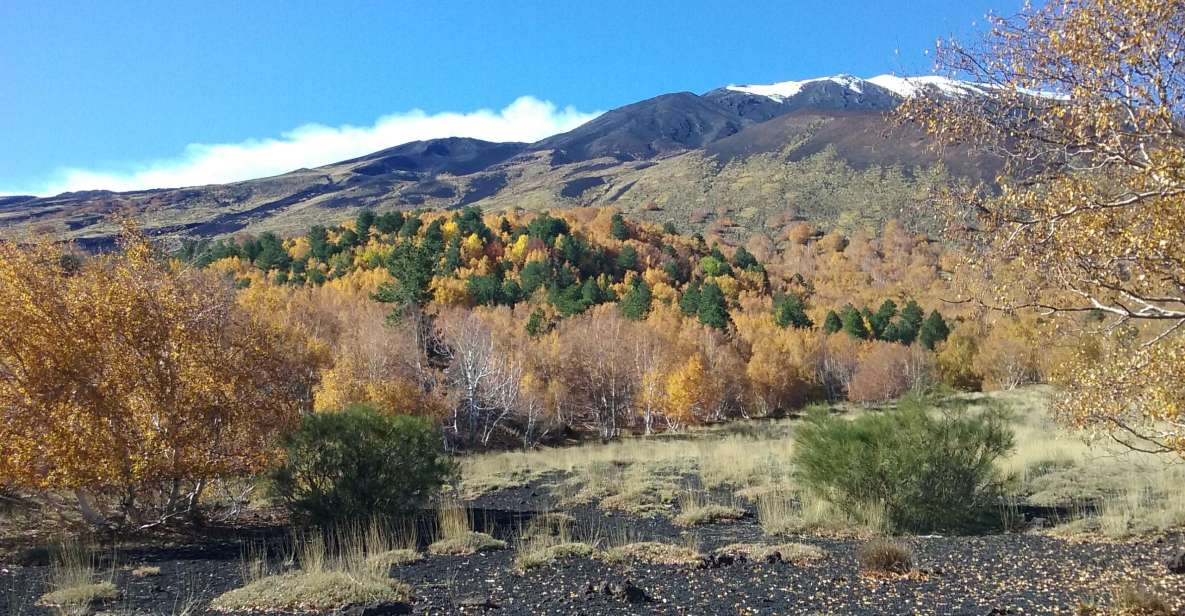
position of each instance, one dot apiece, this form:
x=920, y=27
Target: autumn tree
x=1084, y=105
x=134, y=383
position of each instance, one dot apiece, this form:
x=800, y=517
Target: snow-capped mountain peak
x=904, y=87
x=785, y=89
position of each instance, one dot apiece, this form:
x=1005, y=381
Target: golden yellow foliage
x=123, y=371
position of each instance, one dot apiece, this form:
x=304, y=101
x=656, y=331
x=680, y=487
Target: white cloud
x=526, y=119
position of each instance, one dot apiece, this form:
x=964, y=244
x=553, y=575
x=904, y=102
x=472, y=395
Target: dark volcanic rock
x=575, y=188
x=1176, y=564
x=377, y=609
x=625, y=591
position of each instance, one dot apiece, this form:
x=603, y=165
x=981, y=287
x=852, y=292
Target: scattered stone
x=1176, y=564
x=378, y=609
x=476, y=602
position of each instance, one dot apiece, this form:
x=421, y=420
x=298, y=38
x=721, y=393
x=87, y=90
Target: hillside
x=724, y=162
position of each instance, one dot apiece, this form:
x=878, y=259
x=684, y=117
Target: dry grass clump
x=319, y=591
x=393, y=546
x=552, y=523
x=455, y=534
x=652, y=553
x=791, y=513
x=539, y=550
x=470, y=543
x=1136, y=601
x=481, y=484
x=75, y=582
x=146, y=571
x=335, y=571
x=1129, y=600
x=885, y=557
x=797, y=553
x=548, y=538
x=643, y=496
x=696, y=508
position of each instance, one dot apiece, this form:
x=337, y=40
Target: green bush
x=927, y=469
x=359, y=464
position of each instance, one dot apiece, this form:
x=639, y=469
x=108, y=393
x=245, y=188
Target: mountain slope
x=649, y=128
x=670, y=147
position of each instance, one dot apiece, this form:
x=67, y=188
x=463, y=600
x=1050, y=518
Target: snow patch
x=786, y=89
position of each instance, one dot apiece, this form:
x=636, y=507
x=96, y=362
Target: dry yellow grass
x=652, y=553
x=455, y=534
x=346, y=567
x=1109, y=491
x=697, y=508
x=75, y=582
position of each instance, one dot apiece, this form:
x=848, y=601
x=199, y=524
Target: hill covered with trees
x=519, y=328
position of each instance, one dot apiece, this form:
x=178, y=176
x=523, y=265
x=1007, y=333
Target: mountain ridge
x=606, y=157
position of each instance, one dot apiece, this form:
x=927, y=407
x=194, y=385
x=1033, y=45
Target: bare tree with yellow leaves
x=1084, y=102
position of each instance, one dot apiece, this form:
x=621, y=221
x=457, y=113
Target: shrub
x=358, y=463
x=928, y=470
x=885, y=557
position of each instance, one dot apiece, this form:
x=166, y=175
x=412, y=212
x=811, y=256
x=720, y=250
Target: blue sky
x=121, y=94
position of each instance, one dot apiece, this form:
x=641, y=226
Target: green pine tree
x=853, y=322
x=591, y=293
x=617, y=228
x=452, y=255
x=536, y=324
x=689, y=303
x=363, y=223
x=934, y=330
x=627, y=259
x=790, y=312
x=635, y=304
x=880, y=320
x=712, y=308
x=831, y=323
x=745, y=259
x=909, y=323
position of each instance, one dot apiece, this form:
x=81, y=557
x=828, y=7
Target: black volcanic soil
x=995, y=574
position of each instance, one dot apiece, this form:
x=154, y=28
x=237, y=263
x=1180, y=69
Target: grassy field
x=1075, y=486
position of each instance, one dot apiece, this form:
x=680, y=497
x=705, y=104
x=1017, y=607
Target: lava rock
x=378, y=609
x=629, y=592
x=626, y=591
x=1176, y=564
x=716, y=561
